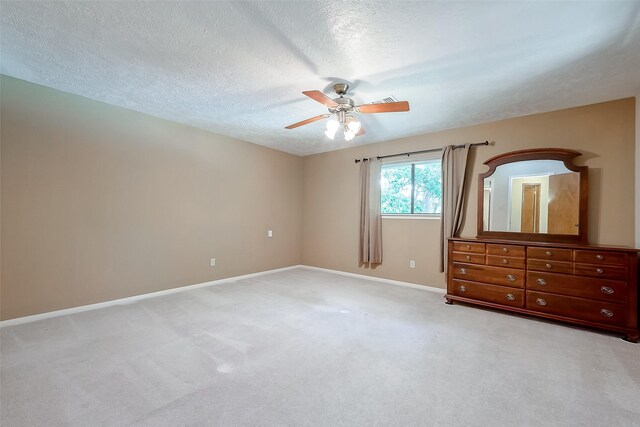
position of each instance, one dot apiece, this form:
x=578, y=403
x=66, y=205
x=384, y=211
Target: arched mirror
x=536, y=195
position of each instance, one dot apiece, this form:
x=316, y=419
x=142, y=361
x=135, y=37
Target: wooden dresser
x=581, y=284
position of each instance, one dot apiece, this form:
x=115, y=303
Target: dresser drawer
x=468, y=247
x=468, y=257
x=553, y=266
x=578, y=308
x=505, y=261
x=486, y=274
x=604, y=271
x=565, y=284
x=506, y=250
x=490, y=293
x=600, y=257
x=550, y=254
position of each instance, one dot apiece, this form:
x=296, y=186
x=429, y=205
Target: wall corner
x=637, y=174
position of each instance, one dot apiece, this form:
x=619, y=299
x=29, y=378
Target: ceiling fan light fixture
x=353, y=125
x=329, y=134
x=349, y=135
x=332, y=128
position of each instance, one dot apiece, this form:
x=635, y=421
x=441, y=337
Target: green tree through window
x=411, y=188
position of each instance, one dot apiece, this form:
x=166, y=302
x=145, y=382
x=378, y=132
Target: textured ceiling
x=238, y=68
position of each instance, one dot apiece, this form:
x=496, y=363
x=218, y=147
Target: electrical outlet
x=412, y=264
x=270, y=233
x=213, y=262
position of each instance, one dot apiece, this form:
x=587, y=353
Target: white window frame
x=426, y=157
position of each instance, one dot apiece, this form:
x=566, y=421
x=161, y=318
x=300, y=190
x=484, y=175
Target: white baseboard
x=129, y=300
x=378, y=279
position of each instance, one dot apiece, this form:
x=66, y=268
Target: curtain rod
x=431, y=150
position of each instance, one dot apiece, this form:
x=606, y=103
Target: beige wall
x=100, y=203
x=603, y=132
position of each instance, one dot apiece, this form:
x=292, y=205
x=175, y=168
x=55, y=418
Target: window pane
x=395, y=182
x=427, y=190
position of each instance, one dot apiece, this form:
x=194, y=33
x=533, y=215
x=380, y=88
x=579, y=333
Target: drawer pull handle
x=548, y=253
x=505, y=261
x=600, y=257
x=548, y=265
x=511, y=277
x=541, y=282
x=606, y=313
x=541, y=302
x=505, y=250
x=511, y=297
x=463, y=271
x=606, y=290
x=599, y=270
x=462, y=288
x=468, y=257
x=468, y=246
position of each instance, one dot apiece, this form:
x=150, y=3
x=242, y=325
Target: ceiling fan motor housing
x=345, y=105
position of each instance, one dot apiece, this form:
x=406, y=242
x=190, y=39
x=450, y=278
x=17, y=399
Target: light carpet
x=305, y=347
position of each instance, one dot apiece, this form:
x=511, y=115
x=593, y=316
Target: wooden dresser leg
x=448, y=301
x=632, y=337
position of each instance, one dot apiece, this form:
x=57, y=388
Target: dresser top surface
x=544, y=244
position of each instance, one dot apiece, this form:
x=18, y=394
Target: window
x=411, y=188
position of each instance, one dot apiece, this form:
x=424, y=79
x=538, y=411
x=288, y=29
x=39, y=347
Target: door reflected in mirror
x=532, y=196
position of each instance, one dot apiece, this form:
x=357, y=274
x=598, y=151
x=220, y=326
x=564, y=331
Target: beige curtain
x=370, y=217
x=454, y=167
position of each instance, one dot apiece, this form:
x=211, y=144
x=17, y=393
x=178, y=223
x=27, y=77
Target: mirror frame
x=564, y=155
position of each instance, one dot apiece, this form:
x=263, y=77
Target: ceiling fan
x=343, y=109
